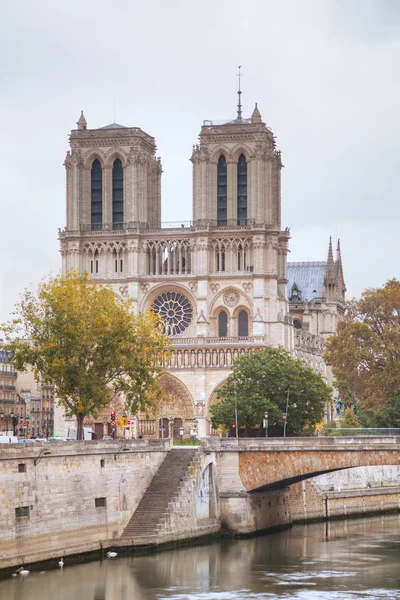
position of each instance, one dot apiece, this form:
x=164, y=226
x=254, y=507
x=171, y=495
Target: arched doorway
x=176, y=403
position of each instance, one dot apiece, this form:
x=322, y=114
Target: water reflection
x=346, y=560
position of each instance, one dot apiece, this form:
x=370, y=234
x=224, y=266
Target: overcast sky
x=325, y=74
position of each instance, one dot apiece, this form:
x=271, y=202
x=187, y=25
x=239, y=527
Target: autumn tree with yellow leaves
x=78, y=336
x=365, y=351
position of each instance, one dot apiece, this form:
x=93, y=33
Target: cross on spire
x=239, y=107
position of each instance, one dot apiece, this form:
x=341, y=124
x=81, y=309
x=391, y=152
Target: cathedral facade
x=220, y=282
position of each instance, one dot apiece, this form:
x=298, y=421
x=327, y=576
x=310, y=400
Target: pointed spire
x=256, y=115
x=330, y=271
x=330, y=251
x=82, y=125
x=338, y=252
x=239, y=106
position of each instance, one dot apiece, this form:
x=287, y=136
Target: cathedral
x=221, y=283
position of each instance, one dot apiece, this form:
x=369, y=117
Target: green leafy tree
x=350, y=419
x=263, y=381
x=78, y=336
x=365, y=351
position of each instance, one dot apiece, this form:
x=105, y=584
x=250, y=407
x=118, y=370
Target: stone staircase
x=152, y=512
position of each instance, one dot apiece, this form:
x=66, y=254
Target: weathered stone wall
x=356, y=491
x=194, y=510
x=59, y=493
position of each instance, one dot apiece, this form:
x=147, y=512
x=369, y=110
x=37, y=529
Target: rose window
x=175, y=310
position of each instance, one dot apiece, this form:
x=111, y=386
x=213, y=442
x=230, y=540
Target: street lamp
x=124, y=420
x=266, y=423
x=284, y=417
x=1, y=416
x=171, y=427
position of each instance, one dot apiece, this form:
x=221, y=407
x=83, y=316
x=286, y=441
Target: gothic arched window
x=243, y=324
x=222, y=191
x=222, y=324
x=117, y=195
x=242, y=190
x=96, y=195
x=220, y=258
x=297, y=324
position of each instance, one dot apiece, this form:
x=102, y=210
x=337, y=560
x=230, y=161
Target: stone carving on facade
x=193, y=286
x=73, y=158
x=202, y=318
x=247, y=287
x=258, y=317
x=200, y=408
x=214, y=287
x=144, y=287
x=123, y=290
x=199, y=154
x=231, y=298
x=114, y=153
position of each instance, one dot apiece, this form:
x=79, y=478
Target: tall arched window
x=242, y=190
x=96, y=195
x=222, y=191
x=117, y=195
x=243, y=324
x=222, y=324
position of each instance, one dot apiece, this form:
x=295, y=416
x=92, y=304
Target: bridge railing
x=352, y=431
x=217, y=444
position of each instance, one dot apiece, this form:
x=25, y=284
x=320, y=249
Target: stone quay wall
x=79, y=496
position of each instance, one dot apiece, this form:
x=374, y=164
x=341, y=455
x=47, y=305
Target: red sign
x=24, y=424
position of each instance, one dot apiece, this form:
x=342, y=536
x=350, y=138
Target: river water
x=341, y=560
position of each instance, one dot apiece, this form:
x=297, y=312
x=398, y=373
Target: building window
x=243, y=324
x=297, y=324
x=102, y=462
x=175, y=311
x=242, y=190
x=96, y=195
x=100, y=502
x=21, y=468
x=22, y=512
x=220, y=258
x=241, y=258
x=117, y=195
x=222, y=324
x=222, y=191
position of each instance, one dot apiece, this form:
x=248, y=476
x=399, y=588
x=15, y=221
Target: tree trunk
x=79, y=421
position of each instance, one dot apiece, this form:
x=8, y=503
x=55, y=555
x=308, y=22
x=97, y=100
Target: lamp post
x=266, y=423
x=124, y=420
x=171, y=427
x=236, y=414
x=12, y=421
x=284, y=417
x=1, y=418
x=27, y=419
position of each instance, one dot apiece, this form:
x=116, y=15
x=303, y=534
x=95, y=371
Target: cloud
x=324, y=75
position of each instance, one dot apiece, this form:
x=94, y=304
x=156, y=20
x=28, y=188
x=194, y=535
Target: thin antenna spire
x=239, y=107
x=114, y=111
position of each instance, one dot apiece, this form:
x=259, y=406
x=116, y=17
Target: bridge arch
x=261, y=471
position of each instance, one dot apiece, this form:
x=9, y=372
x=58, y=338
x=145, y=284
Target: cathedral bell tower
x=237, y=173
x=113, y=184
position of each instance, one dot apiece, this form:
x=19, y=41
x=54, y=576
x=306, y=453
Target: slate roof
x=114, y=126
x=309, y=278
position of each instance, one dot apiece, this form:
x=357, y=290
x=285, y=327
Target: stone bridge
x=254, y=474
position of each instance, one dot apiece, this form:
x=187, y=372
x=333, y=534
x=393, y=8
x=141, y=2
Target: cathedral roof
x=308, y=277
x=114, y=126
